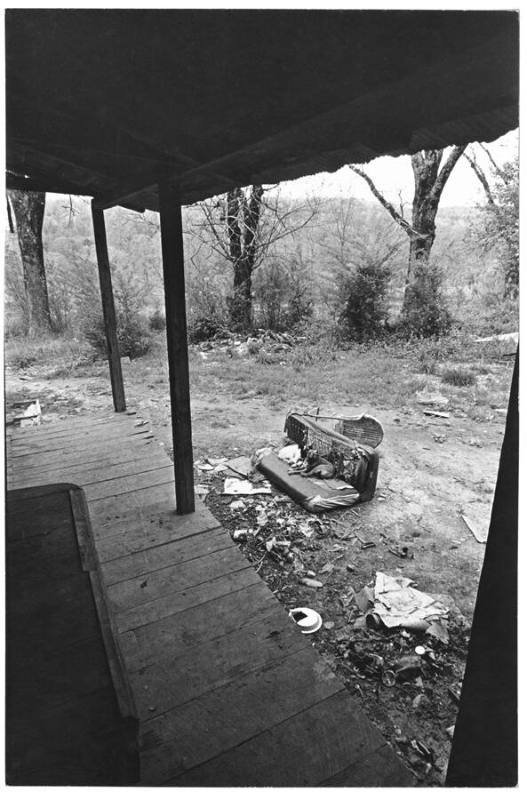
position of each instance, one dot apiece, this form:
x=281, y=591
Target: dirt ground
x=432, y=470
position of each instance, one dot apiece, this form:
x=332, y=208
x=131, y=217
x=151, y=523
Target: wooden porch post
x=176, y=329
x=108, y=308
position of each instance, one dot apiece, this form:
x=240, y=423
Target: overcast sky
x=392, y=175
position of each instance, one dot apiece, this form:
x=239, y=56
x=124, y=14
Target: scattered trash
x=431, y=399
x=237, y=505
x=329, y=625
x=398, y=604
x=243, y=487
x=420, y=650
x=365, y=599
x=401, y=551
x=408, y=667
x=455, y=692
x=308, y=621
x=240, y=535
x=476, y=532
x=430, y=412
x=290, y=453
x=311, y=582
x=241, y=466
x=509, y=338
x=311, y=574
x=438, y=630
x=388, y=677
x=31, y=415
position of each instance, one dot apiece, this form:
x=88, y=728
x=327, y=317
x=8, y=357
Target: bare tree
x=501, y=220
x=430, y=177
x=28, y=209
x=243, y=225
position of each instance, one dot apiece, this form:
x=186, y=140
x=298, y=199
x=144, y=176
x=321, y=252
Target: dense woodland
x=321, y=264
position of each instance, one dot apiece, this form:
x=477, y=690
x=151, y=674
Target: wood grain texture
x=227, y=689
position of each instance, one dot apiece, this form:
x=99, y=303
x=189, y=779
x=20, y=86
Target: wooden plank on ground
x=77, y=425
x=148, y=526
x=215, y=662
x=224, y=718
x=171, y=635
x=382, y=767
x=322, y=740
x=87, y=440
x=175, y=602
x=86, y=474
x=165, y=555
x=109, y=511
x=129, y=483
x=25, y=465
x=174, y=578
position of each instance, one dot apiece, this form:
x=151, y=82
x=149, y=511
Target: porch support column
x=108, y=308
x=176, y=329
x=485, y=747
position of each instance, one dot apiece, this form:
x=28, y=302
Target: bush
x=133, y=334
x=425, y=313
x=204, y=328
x=458, y=377
x=157, y=321
x=364, y=315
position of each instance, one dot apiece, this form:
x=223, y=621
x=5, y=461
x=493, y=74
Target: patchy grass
x=457, y=376
x=54, y=356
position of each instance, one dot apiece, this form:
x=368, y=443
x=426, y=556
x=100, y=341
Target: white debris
x=290, y=453
x=236, y=486
x=398, y=604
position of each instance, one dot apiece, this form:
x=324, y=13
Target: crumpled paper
x=398, y=604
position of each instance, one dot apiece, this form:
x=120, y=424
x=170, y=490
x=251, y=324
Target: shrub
x=425, y=313
x=458, y=377
x=364, y=315
x=133, y=334
x=157, y=321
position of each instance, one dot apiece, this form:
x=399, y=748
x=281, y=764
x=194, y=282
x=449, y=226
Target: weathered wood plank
x=83, y=457
x=87, y=439
x=226, y=717
x=111, y=516
x=71, y=420
x=86, y=475
x=108, y=308
x=129, y=483
x=169, y=636
x=80, y=745
x=77, y=424
x=194, y=671
x=41, y=674
x=379, y=768
x=37, y=554
x=173, y=603
x=324, y=739
x=176, y=577
x=148, y=526
x=165, y=555
x=176, y=331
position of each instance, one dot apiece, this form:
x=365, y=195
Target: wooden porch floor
x=227, y=690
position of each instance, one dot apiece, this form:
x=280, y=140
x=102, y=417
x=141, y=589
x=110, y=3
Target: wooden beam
x=108, y=309
x=176, y=329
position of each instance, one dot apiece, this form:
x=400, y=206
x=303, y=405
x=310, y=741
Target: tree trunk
x=241, y=309
x=28, y=208
x=243, y=218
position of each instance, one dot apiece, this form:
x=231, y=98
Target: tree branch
x=452, y=159
x=481, y=177
x=400, y=220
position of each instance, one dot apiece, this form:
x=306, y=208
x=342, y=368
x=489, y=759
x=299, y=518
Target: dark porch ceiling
x=105, y=103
